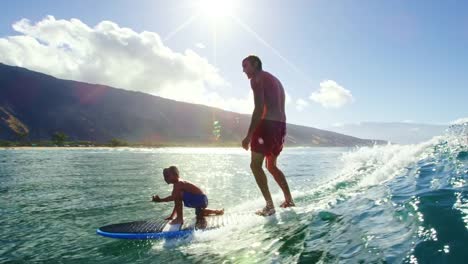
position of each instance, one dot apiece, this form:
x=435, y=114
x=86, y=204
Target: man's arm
x=259, y=100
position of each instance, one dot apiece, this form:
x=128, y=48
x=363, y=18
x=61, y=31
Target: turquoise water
x=382, y=204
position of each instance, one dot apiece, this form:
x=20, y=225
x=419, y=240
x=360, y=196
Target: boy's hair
x=254, y=60
x=171, y=170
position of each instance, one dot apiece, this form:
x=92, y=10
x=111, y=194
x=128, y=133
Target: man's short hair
x=171, y=170
x=254, y=60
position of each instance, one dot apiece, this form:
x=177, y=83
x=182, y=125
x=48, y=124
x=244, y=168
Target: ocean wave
x=397, y=203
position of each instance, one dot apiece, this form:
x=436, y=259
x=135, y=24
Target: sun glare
x=216, y=9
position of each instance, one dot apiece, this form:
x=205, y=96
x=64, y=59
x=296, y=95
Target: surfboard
x=158, y=229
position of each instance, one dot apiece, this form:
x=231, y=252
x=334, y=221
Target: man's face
x=248, y=68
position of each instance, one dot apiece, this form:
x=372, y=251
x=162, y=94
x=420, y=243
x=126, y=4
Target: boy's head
x=171, y=174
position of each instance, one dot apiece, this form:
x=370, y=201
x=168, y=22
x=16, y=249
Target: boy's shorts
x=197, y=201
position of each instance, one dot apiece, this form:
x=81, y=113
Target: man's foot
x=287, y=204
x=266, y=211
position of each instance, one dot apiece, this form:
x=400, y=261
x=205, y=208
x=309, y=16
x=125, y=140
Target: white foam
x=375, y=165
x=460, y=121
x=366, y=166
x=362, y=168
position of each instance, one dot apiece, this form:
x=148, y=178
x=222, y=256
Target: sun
x=216, y=9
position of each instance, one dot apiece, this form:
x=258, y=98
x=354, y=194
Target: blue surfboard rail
x=157, y=235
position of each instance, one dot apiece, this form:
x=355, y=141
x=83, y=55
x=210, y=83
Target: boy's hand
x=169, y=218
x=156, y=198
x=177, y=221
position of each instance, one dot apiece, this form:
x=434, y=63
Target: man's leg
x=280, y=180
x=260, y=177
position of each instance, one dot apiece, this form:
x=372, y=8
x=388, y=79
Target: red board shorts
x=268, y=137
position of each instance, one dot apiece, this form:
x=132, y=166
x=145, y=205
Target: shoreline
x=146, y=147
x=51, y=148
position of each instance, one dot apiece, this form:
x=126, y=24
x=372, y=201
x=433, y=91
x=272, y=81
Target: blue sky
x=399, y=60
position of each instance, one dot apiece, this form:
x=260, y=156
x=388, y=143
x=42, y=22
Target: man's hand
x=246, y=142
x=156, y=199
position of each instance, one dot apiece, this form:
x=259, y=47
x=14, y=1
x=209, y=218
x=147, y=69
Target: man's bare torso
x=274, y=96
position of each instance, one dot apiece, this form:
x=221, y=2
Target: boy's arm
x=177, y=196
x=172, y=197
x=172, y=215
x=157, y=199
x=168, y=199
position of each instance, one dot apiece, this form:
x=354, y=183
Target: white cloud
x=200, y=45
x=301, y=104
x=331, y=95
x=116, y=56
x=459, y=121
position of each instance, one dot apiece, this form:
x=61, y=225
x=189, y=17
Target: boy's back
x=186, y=186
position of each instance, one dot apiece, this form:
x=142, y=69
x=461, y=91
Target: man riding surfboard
x=267, y=131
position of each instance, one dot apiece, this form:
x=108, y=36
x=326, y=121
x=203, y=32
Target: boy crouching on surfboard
x=186, y=192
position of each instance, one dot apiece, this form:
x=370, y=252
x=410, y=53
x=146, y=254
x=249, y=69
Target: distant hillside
x=402, y=133
x=33, y=106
